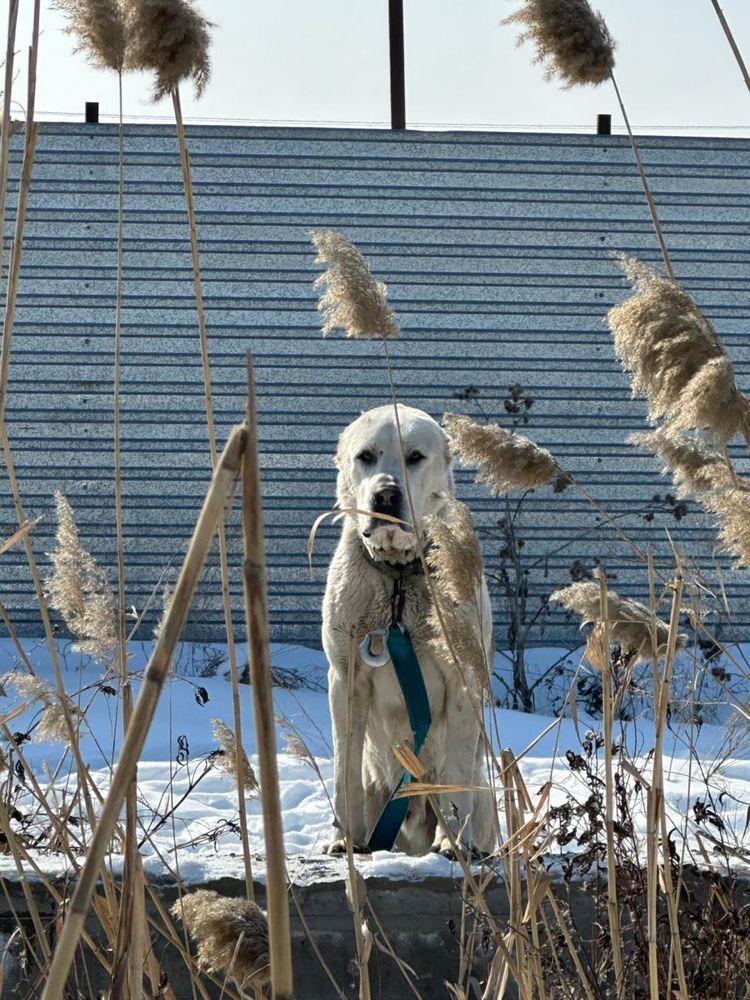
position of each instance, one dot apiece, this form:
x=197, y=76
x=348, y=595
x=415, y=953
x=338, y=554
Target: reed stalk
x=644, y=183
x=357, y=904
x=126, y=971
x=534, y=881
x=14, y=266
x=8, y=323
x=608, y=697
x=256, y=613
x=10, y=838
x=226, y=595
x=219, y=492
x=656, y=810
x=10, y=629
x=732, y=42
x=10, y=55
x=41, y=600
x=514, y=883
x=29, y=150
x=652, y=807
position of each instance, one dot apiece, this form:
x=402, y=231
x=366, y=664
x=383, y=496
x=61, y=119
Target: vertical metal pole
x=396, y=37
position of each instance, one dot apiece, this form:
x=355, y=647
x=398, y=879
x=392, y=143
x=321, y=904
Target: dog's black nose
x=387, y=500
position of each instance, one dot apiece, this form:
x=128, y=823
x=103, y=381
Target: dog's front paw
x=443, y=846
x=337, y=847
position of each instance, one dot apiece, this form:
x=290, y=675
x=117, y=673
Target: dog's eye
x=414, y=457
x=366, y=457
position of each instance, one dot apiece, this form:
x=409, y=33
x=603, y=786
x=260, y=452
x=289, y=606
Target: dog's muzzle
x=385, y=540
x=388, y=499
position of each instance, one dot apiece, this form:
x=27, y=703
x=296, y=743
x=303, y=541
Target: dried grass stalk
x=505, y=461
x=629, y=621
x=353, y=300
x=99, y=26
x=571, y=40
x=79, y=590
x=675, y=357
x=454, y=556
x=226, y=757
x=231, y=934
x=171, y=38
x=52, y=727
x=695, y=466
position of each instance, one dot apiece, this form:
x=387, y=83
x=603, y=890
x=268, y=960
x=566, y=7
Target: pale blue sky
x=327, y=62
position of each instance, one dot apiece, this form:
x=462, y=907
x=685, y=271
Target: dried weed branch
x=353, y=300
x=79, y=590
x=571, y=40
x=231, y=934
x=505, y=461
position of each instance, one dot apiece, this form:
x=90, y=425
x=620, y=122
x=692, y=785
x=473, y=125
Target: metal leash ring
x=373, y=650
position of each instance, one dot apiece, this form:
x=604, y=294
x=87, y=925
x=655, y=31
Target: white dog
x=374, y=576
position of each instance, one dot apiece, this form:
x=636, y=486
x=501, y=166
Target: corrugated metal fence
x=495, y=248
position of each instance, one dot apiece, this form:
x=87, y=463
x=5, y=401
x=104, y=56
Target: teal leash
x=411, y=682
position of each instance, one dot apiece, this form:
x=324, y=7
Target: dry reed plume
x=166, y=602
x=454, y=556
x=463, y=630
x=296, y=747
x=695, y=466
x=99, y=26
x=571, y=40
x=231, y=934
x=675, y=357
x=353, y=300
x=170, y=38
x=226, y=757
x=51, y=727
x=731, y=507
x=630, y=623
x=505, y=461
x=79, y=590
x=699, y=469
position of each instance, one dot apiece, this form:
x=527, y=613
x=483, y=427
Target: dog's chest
x=387, y=699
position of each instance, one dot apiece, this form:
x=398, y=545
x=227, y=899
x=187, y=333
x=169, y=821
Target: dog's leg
x=456, y=808
x=348, y=791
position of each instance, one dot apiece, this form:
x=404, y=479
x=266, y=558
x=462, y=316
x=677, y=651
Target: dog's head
x=371, y=477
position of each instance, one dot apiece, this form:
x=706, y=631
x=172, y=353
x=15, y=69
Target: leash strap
x=411, y=682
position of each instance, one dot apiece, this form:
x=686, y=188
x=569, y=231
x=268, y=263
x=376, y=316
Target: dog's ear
x=450, y=484
x=344, y=490
x=345, y=494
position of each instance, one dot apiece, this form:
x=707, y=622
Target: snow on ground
x=200, y=836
